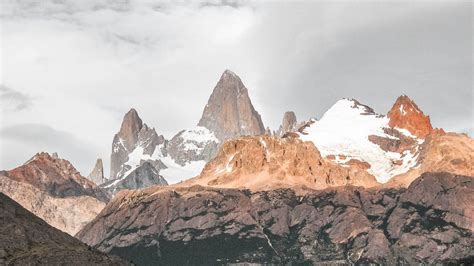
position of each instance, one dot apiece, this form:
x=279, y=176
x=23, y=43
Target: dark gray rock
x=346, y=225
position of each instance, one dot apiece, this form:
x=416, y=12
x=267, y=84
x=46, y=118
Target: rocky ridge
x=430, y=222
x=133, y=134
x=266, y=162
x=54, y=190
x=28, y=240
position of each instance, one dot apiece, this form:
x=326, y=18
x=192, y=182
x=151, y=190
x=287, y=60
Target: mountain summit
x=229, y=111
x=133, y=133
x=407, y=115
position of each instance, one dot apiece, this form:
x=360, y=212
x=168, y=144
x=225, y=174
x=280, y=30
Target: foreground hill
x=430, y=222
x=51, y=188
x=28, y=240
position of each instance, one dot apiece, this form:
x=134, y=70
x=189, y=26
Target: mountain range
x=353, y=187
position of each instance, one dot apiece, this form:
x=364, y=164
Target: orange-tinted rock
x=406, y=114
x=265, y=162
x=54, y=190
x=450, y=152
x=358, y=164
x=56, y=176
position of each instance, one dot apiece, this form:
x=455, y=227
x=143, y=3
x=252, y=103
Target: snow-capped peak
x=345, y=130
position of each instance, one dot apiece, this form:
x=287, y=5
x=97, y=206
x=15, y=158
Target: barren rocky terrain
x=429, y=222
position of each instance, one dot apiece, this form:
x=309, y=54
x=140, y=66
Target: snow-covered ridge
x=197, y=137
x=344, y=130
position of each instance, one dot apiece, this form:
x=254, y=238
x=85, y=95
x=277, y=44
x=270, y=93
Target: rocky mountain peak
x=97, y=174
x=55, y=176
x=131, y=125
x=406, y=114
x=133, y=133
x=288, y=124
x=229, y=111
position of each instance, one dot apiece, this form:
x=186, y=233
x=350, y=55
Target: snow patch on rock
x=344, y=130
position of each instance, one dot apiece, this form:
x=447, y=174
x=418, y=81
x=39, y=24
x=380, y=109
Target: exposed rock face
x=429, y=223
x=406, y=114
x=28, y=240
x=229, y=112
x=144, y=176
x=289, y=123
x=448, y=152
x=265, y=162
x=52, y=189
x=97, y=174
x=133, y=134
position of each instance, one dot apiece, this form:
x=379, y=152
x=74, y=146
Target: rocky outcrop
x=97, y=174
x=229, y=112
x=133, y=134
x=143, y=176
x=54, y=190
x=289, y=123
x=406, y=114
x=428, y=223
x=447, y=152
x=28, y=240
x=265, y=162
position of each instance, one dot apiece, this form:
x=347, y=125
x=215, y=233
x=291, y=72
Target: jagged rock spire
x=97, y=174
x=288, y=124
x=407, y=115
x=229, y=111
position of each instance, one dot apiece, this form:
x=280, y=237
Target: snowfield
x=344, y=130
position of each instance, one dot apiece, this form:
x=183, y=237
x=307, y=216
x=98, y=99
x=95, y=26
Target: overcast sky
x=71, y=69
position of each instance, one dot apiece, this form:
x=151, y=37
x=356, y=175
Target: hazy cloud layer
x=85, y=63
x=12, y=100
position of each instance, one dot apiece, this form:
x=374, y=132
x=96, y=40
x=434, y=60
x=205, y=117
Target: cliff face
x=406, y=114
x=97, y=174
x=229, y=112
x=430, y=222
